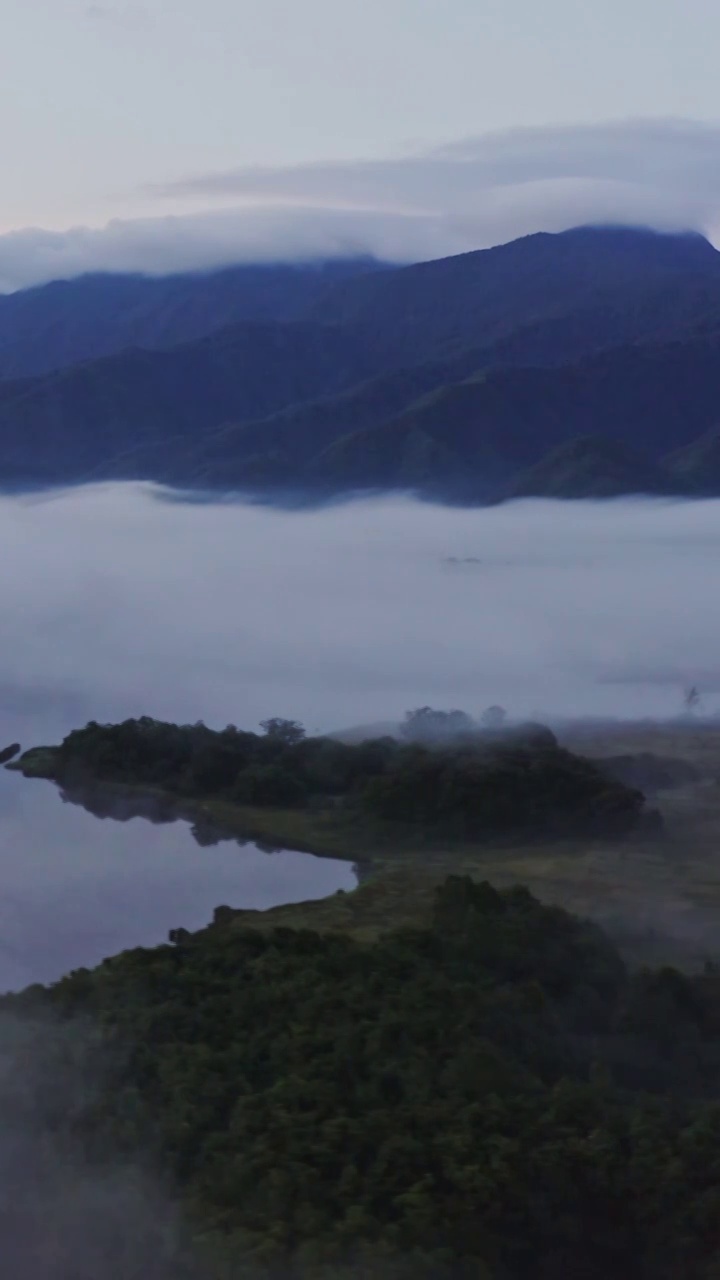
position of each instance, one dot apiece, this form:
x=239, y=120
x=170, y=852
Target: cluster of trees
x=463, y=784
x=524, y=790
x=279, y=767
x=491, y=1096
x=425, y=724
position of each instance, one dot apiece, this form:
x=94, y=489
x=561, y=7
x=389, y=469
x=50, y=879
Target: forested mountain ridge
x=453, y=378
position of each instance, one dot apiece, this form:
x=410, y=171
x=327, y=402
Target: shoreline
x=670, y=886
x=318, y=833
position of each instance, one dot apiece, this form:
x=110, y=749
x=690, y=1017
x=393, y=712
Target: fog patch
x=117, y=604
x=72, y=1207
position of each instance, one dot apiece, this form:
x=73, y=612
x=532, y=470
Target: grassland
x=659, y=896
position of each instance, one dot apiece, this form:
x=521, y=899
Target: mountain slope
x=476, y=299
x=439, y=444
x=668, y=288
x=545, y=298
x=303, y=430
x=88, y=416
x=162, y=415
x=697, y=467
x=332, y=407
x=591, y=467
x=495, y=426
x=71, y=321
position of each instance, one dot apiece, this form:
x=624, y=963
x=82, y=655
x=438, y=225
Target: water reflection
x=108, y=802
x=74, y=890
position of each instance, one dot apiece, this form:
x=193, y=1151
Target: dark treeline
x=491, y=1096
x=472, y=784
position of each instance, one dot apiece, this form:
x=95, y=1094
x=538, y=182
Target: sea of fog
x=121, y=599
x=124, y=599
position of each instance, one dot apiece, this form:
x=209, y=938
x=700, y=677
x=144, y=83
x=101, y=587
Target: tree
x=493, y=718
x=289, y=732
x=270, y=785
x=427, y=725
x=692, y=699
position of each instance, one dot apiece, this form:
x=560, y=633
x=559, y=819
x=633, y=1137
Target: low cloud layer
x=202, y=241
x=472, y=194
x=121, y=603
x=132, y=16
x=664, y=170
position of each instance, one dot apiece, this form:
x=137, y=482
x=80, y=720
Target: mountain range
x=584, y=364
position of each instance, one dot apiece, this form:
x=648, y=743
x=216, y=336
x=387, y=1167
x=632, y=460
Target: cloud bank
x=132, y=16
x=122, y=604
x=468, y=195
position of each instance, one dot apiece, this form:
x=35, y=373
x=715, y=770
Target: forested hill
x=485, y=1095
x=454, y=378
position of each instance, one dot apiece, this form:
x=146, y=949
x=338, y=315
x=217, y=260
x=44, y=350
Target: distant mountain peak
x=629, y=231
x=639, y=242
x=633, y=239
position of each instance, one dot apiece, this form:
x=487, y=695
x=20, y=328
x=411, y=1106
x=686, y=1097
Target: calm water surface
x=75, y=888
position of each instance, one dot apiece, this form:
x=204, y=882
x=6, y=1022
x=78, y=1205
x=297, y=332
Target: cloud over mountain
x=665, y=169
x=467, y=195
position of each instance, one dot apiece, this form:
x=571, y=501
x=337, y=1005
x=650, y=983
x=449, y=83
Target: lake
x=75, y=888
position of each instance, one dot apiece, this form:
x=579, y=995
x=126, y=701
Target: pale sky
x=102, y=103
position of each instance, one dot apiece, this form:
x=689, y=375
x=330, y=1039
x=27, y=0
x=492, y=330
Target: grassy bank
x=659, y=897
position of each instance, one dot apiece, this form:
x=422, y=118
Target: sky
x=156, y=114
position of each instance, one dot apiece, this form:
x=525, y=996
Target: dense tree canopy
x=492, y=1096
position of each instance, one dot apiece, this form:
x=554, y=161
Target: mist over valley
x=126, y=600
x=120, y=602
